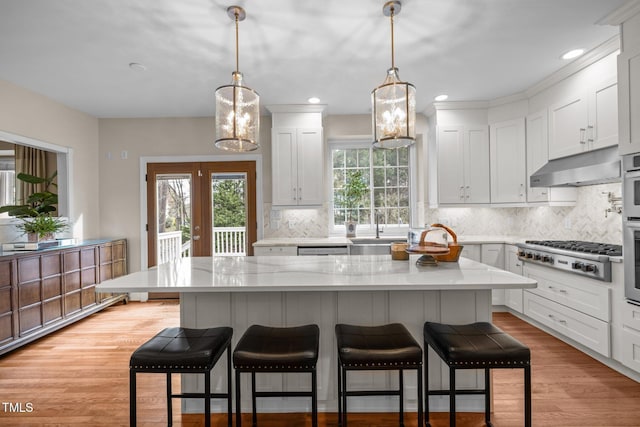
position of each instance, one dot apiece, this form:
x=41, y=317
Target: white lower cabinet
x=586, y=330
x=630, y=343
x=275, y=250
x=513, y=298
x=493, y=255
x=576, y=307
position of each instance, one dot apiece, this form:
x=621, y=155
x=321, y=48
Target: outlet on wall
x=567, y=223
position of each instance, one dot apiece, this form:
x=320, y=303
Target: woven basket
x=454, y=248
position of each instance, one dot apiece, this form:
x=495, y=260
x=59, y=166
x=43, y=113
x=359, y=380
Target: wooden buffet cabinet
x=43, y=291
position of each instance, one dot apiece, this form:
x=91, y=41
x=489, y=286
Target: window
x=387, y=174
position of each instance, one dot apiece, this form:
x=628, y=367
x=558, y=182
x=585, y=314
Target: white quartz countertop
x=326, y=273
x=343, y=241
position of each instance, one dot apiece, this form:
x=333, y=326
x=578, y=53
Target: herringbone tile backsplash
x=587, y=220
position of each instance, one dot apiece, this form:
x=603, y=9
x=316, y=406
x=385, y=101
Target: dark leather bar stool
x=475, y=346
x=277, y=349
x=184, y=351
x=376, y=348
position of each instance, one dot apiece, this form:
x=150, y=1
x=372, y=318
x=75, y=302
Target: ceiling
x=78, y=52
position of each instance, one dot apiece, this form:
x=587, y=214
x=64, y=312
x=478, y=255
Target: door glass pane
x=173, y=208
x=229, y=213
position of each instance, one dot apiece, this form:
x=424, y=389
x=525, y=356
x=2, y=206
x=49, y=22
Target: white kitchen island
x=291, y=290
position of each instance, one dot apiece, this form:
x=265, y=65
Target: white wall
x=34, y=116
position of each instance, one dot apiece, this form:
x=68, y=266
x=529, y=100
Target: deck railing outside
x=227, y=241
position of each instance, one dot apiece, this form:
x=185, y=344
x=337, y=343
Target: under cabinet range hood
x=589, y=168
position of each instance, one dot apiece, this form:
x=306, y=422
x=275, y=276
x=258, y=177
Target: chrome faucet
x=378, y=231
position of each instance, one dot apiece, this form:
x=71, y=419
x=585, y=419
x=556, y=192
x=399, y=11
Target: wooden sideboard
x=43, y=291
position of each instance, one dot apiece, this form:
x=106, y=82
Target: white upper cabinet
x=297, y=159
x=297, y=155
x=537, y=141
x=463, y=164
x=508, y=161
x=585, y=121
x=629, y=87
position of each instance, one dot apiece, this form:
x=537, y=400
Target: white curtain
x=7, y=187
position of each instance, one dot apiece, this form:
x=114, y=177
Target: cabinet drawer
x=275, y=250
x=586, y=330
x=577, y=293
x=631, y=348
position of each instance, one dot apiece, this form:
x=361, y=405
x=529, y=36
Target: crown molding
x=607, y=48
x=296, y=108
x=623, y=13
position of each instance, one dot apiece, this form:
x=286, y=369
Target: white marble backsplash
x=584, y=221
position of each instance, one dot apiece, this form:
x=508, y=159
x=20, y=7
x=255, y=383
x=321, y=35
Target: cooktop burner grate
x=580, y=246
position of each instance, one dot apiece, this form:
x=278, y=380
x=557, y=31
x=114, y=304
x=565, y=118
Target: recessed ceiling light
x=442, y=97
x=137, y=67
x=573, y=54
x=313, y=100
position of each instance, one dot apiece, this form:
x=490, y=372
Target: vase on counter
x=351, y=226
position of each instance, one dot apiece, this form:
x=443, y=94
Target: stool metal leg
x=452, y=397
x=132, y=398
x=238, y=409
x=229, y=387
x=254, y=416
x=339, y=393
x=487, y=397
x=169, y=405
x=207, y=399
x=420, y=413
x=344, y=397
x=401, y=396
x=527, y=396
x=314, y=399
x=426, y=387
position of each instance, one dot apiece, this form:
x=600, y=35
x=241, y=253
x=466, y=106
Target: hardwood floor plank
x=79, y=377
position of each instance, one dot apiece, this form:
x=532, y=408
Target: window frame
x=362, y=229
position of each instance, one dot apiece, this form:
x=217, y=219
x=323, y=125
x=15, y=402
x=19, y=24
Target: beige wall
x=31, y=115
x=171, y=138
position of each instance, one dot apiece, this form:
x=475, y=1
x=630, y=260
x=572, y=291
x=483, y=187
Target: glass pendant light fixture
x=393, y=102
x=237, y=106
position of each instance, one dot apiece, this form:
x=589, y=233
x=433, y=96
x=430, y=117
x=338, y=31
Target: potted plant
x=350, y=196
x=37, y=221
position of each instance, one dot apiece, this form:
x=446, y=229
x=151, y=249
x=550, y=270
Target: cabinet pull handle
x=294, y=194
x=582, y=132
x=300, y=193
x=591, y=132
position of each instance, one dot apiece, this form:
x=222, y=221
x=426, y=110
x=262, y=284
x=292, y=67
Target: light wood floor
x=79, y=376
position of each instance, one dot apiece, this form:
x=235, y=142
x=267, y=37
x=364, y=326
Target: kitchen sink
x=373, y=246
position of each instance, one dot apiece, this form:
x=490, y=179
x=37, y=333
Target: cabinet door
x=473, y=252
x=450, y=173
x=513, y=297
x=476, y=165
x=568, y=126
x=508, y=161
x=603, y=115
x=537, y=152
x=310, y=165
x=284, y=167
x=629, y=99
x=493, y=254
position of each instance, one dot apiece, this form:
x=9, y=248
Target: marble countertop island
x=326, y=290
x=328, y=273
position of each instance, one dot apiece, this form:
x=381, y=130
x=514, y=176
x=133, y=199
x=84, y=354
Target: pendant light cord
x=237, y=49
x=393, y=61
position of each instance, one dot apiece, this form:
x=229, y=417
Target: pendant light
x=237, y=106
x=393, y=102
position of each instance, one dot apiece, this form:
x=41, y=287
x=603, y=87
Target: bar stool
x=385, y=347
x=475, y=346
x=185, y=351
x=281, y=350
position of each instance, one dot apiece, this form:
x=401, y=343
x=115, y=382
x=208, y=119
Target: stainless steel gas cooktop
x=589, y=259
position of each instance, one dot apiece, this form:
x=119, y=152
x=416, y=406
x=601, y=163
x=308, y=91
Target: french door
x=200, y=209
